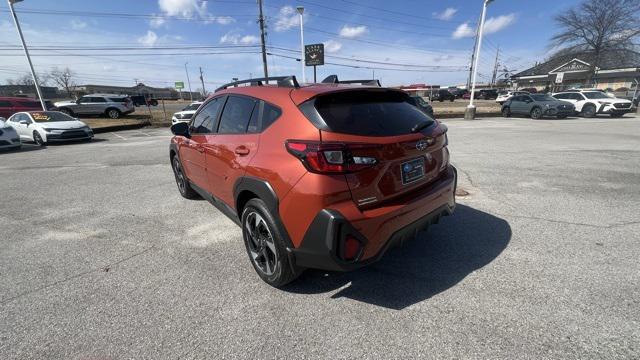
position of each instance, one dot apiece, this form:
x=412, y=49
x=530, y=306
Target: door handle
x=242, y=150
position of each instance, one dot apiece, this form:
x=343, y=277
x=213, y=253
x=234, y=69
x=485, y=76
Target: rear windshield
x=50, y=116
x=30, y=104
x=369, y=113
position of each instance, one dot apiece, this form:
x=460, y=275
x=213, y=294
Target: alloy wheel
x=262, y=248
x=177, y=171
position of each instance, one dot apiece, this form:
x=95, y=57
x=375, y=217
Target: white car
x=593, y=102
x=187, y=113
x=42, y=127
x=503, y=96
x=9, y=138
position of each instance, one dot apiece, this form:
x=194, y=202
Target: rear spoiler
x=333, y=79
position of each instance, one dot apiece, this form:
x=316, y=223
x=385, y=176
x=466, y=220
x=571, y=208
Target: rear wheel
x=536, y=113
x=506, y=112
x=181, y=180
x=589, y=111
x=114, y=113
x=265, y=245
x=38, y=139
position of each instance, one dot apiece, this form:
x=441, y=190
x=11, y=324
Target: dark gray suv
x=110, y=105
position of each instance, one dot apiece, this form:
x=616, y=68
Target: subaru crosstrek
x=324, y=176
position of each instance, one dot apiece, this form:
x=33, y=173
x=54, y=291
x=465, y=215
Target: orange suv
x=326, y=176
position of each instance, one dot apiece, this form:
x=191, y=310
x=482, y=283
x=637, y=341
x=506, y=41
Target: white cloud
x=287, y=18
x=446, y=15
x=78, y=24
x=495, y=24
x=349, y=32
x=225, y=20
x=249, y=40
x=332, y=46
x=233, y=38
x=149, y=39
x=157, y=21
x=185, y=8
x=463, y=31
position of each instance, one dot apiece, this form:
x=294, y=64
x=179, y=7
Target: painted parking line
x=121, y=137
x=142, y=132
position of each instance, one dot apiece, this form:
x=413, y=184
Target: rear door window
x=236, y=115
x=269, y=115
x=367, y=113
x=29, y=104
x=5, y=104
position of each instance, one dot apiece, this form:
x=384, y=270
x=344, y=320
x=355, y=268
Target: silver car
x=9, y=138
x=111, y=105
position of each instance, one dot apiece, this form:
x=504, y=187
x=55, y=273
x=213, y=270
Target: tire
x=536, y=113
x=265, y=245
x=452, y=99
x=589, y=111
x=184, y=187
x=506, y=112
x=113, y=113
x=66, y=111
x=38, y=139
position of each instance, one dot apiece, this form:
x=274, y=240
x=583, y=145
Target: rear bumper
x=320, y=247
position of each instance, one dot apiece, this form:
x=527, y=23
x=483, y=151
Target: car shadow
x=24, y=148
x=434, y=262
x=76, y=142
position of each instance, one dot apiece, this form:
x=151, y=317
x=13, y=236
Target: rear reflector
x=351, y=248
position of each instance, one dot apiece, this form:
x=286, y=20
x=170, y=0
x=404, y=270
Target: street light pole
x=188, y=81
x=26, y=52
x=301, y=11
x=470, y=113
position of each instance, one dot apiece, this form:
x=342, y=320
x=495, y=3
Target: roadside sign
x=314, y=54
x=559, y=77
x=180, y=85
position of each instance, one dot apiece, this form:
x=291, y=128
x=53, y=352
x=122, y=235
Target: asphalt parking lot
x=101, y=258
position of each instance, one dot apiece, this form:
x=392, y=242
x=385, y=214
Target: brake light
x=331, y=157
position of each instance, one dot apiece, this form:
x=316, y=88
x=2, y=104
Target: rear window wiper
x=421, y=126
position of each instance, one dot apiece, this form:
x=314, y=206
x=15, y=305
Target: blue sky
x=389, y=35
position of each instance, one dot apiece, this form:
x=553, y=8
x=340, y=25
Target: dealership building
x=616, y=70
x=140, y=89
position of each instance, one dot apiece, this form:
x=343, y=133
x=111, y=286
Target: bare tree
x=25, y=79
x=64, y=79
x=599, y=26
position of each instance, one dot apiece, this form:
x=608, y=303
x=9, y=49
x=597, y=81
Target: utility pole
x=473, y=54
x=300, y=10
x=188, y=81
x=470, y=112
x=264, y=48
x=204, y=91
x=26, y=52
x=495, y=68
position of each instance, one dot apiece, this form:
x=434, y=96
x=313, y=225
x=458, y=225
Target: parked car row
x=587, y=103
x=41, y=127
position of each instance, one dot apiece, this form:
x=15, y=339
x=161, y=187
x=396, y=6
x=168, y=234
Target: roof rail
x=333, y=79
x=282, y=81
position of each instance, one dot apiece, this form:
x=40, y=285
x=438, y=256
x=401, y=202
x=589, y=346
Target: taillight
x=331, y=157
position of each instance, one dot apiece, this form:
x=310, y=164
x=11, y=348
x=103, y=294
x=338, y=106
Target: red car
x=325, y=176
x=12, y=105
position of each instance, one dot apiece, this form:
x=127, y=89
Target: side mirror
x=181, y=129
